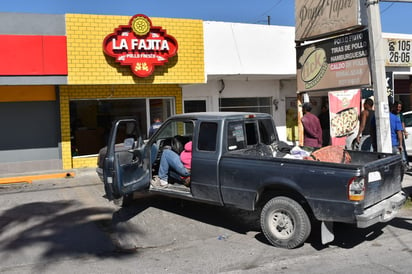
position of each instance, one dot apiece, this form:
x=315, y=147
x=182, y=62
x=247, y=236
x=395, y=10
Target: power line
x=403, y=1
x=388, y=7
x=270, y=9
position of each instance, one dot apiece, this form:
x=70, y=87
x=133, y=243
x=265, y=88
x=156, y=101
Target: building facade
x=60, y=90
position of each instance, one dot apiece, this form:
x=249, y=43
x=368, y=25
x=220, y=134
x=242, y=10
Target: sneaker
x=186, y=181
x=157, y=183
x=163, y=183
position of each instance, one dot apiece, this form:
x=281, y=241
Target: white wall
x=252, y=60
x=277, y=89
x=249, y=49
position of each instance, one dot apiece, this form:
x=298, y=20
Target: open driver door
x=126, y=166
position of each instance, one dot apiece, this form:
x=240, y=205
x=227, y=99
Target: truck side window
x=207, y=136
x=235, y=136
x=266, y=131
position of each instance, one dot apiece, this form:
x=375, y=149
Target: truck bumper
x=383, y=211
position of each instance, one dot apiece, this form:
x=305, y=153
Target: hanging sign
x=320, y=18
x=336, y=63
x=140, y=45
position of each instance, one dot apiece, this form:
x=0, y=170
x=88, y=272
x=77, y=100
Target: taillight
x=356, y=189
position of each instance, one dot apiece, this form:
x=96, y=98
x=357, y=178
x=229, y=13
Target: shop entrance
x=91, y=120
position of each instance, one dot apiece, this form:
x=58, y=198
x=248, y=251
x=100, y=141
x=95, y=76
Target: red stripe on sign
x=33, y=55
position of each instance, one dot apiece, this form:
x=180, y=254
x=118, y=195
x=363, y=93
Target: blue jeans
x=366, y=143
x=171, y=160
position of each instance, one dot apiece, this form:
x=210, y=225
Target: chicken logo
x=140, y=45
x=314, y=66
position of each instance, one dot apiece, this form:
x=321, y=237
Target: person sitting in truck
x=172, y=163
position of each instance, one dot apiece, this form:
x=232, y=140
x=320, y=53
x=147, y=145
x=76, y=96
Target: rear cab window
x=246, y=134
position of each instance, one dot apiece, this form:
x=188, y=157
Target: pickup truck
x=236, y=162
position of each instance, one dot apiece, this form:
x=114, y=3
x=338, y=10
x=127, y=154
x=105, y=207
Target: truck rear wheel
x=284, y=222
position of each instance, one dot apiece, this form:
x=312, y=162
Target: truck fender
x=280, y=185
x=283, y=187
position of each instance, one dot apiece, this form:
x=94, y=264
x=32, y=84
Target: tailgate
x=383, y=179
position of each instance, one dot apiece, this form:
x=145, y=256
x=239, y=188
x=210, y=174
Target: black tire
x=284, y=222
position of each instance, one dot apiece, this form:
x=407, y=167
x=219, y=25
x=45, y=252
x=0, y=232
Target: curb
x=30, y=178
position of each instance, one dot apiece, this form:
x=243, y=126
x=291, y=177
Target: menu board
x=337, y=63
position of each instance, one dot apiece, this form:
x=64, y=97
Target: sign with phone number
x=399, y=53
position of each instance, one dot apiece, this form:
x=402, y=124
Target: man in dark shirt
x=364, y=137
x=312, y=133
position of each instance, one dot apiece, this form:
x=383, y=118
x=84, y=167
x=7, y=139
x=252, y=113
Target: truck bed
x=324, y=184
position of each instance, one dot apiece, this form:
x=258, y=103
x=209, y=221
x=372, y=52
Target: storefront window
x=195, y=106
x=91, y=120
x=255, y=104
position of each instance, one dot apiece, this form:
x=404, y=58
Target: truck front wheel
x=284, y=222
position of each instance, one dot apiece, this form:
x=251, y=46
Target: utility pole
x=382, y=110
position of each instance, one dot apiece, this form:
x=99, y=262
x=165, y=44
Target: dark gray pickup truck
x=236, y=162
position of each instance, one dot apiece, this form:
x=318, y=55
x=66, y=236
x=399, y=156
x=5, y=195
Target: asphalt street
x=65, y=225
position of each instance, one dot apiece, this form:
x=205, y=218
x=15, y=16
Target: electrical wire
x=388, y=7
x=270, y=9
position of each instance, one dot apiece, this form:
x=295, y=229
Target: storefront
x=337, y=73
x=114, y=82
x=58, y=118
x=34, y=64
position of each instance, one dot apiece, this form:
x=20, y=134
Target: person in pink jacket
x=180, y=164
x=186, y=156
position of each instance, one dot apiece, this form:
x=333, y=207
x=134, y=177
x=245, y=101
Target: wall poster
x=344, y=107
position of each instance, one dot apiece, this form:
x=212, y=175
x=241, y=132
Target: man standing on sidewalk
x=312, y=131
x=396, y=130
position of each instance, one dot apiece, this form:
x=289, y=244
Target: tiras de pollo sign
x=140, y=45
x=336, y=63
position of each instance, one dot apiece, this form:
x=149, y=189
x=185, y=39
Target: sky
x=395, y=16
